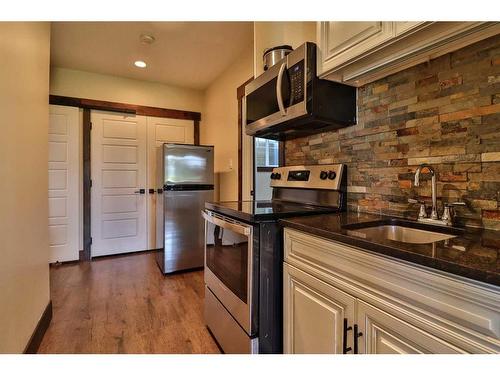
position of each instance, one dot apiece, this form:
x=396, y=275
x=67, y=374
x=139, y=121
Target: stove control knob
x=273, y=176
x=323, y=175
x=332, y=175
x=277, y=176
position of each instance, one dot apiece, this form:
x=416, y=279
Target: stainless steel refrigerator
x=185, y=181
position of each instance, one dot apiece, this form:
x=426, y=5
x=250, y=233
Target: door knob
x=140, y=191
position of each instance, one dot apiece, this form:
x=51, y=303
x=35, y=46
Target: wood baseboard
x=39, y=332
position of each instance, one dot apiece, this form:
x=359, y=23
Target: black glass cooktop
x=265, y=210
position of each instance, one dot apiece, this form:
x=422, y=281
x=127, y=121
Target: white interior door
x=162, y=130
x=118, y=210
x=63, y=183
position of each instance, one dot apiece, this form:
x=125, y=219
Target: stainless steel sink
x=397, y=230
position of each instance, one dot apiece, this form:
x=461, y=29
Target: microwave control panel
x=296, y=73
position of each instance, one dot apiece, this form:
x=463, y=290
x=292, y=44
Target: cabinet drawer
x=465, y=311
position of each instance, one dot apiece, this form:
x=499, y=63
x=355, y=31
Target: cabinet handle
x=345, y=349
x=356, y=336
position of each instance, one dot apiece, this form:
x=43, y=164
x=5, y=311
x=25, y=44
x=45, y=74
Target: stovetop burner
x=253, y=211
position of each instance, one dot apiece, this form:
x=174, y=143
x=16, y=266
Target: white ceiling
x=186, y=54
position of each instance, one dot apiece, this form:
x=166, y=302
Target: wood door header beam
x=240, y=91
x=124, y=108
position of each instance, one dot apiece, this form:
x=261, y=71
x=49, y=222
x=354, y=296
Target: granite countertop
x=474, y=253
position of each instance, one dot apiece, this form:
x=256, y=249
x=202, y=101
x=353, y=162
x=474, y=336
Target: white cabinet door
x=162, y=130
x=314, y=314
x=63, y=183
x=340, y=42
x=118, y=211
x=402, y=27
x=382, y=333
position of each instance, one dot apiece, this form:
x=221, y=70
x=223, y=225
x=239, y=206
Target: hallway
x=123, y=304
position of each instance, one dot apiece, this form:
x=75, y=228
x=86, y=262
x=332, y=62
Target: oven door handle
x=279, y=96
x=226, y=224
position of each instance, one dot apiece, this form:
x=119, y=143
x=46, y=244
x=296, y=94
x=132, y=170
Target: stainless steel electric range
x=244, y=255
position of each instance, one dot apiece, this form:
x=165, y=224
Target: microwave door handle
x=279, y=97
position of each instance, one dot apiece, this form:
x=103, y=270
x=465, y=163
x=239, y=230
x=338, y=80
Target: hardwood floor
x=124, y=304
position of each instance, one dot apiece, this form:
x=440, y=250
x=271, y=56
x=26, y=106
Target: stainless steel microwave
x=289, y=100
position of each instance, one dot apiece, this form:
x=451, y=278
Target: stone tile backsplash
x=446, y=113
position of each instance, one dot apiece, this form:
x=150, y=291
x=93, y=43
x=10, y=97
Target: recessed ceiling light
x=140, y=64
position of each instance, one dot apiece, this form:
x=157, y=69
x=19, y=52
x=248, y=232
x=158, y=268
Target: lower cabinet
x=343, y=300
x=320, y=319
x=315, y=314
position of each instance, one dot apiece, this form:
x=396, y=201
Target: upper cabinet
x=341, y=42
x=357, y=53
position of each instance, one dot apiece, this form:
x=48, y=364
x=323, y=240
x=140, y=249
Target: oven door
x=228, y=265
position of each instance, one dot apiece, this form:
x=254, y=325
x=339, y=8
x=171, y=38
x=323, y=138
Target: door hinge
x=90, y=242
x=90, y=183
x=90, y=125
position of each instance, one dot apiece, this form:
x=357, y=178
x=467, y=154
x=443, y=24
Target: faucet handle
x=422, y=213
x=414, y=201
x=455, y=204
x=449, y=212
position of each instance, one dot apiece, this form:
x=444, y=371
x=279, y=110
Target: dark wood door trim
x=87, y=184
x=124, y=108
x=40, y=329
x=196, y=129
x=281, y=154
x=240, y=93
x=87, y=105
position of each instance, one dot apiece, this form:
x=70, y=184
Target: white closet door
x=118, y=210
x=162, y=130
x=63, y=183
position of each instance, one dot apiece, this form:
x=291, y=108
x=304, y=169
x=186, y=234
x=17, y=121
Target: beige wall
x=67, y=82
x=271, y=34
x=219, y=125
x=24, y=269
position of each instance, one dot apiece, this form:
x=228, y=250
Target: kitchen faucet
x=434, y=214
x=448, y=212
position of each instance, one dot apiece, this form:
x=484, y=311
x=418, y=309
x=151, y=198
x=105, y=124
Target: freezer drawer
x=183, y=230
